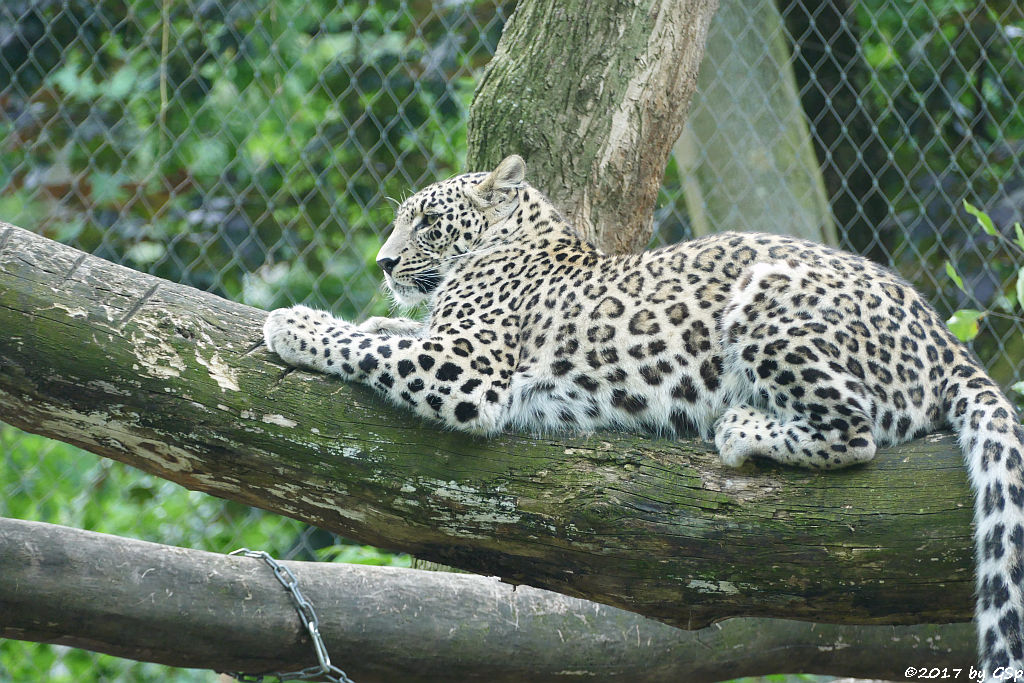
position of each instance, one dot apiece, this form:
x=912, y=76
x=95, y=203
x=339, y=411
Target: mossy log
x=178, y=383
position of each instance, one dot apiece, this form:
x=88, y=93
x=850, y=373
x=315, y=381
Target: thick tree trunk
x=746, y=156
x=196, y=609
x=832, y=77
x=177, y=382
x=593, y=95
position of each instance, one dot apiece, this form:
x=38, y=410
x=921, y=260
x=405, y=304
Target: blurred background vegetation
x=248, y=148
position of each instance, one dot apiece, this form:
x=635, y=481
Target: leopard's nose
x=387, y=264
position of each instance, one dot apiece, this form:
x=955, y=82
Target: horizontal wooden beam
x=191, y=608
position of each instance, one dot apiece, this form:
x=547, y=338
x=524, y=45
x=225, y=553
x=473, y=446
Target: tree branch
x=191, y=608
x=175, y=381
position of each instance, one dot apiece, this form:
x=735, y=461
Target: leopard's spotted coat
x=777, y=347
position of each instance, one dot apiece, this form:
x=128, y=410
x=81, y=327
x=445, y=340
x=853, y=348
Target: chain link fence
x=248, y=148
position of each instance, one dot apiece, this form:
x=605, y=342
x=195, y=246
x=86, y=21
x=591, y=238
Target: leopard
x=771, y=346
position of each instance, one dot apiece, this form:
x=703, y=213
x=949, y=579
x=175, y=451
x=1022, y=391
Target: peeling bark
x=176, y=382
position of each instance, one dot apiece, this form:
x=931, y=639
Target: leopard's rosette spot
x=775, y=347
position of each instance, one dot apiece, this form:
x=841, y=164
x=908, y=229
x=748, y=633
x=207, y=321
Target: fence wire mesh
x=248, y=148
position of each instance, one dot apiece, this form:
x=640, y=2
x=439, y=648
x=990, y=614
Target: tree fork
x=176, y=382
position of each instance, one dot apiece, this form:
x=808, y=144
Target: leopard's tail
x=992, y=440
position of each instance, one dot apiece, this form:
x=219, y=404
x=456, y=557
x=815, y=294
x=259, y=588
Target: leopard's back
x=778, y=347
x=638, y=341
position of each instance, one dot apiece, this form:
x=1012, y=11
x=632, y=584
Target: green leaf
x=1020, y=287
x=879, y=55
x=106, y=187
x=951, y=272
x=208, y=158
x=362, y=554
x=983, y=220
x=122, y=83
x=145, y=253
x=74, y=81
x=1020, y=235
x=964, y=323
x=1018, y=387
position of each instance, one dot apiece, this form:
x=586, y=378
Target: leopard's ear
x=508, y=174
x=500, y=183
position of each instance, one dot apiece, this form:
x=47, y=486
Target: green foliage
x=20, y=662
x=57, y=483
x=1014, y=245
x=983, y=220
x=941, y=89
x=263, y=134
x=964, y=322
x=917, y=52
x=49, y=481
x=951, y=272
x=362, y=554
x=248, y=155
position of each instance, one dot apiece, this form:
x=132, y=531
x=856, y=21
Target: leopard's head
x=445, y=222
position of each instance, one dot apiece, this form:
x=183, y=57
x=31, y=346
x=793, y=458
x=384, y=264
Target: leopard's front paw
x=292, y=333
x=275, y=328
x=401, y=327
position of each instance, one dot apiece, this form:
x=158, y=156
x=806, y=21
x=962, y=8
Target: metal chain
x=324, y=670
